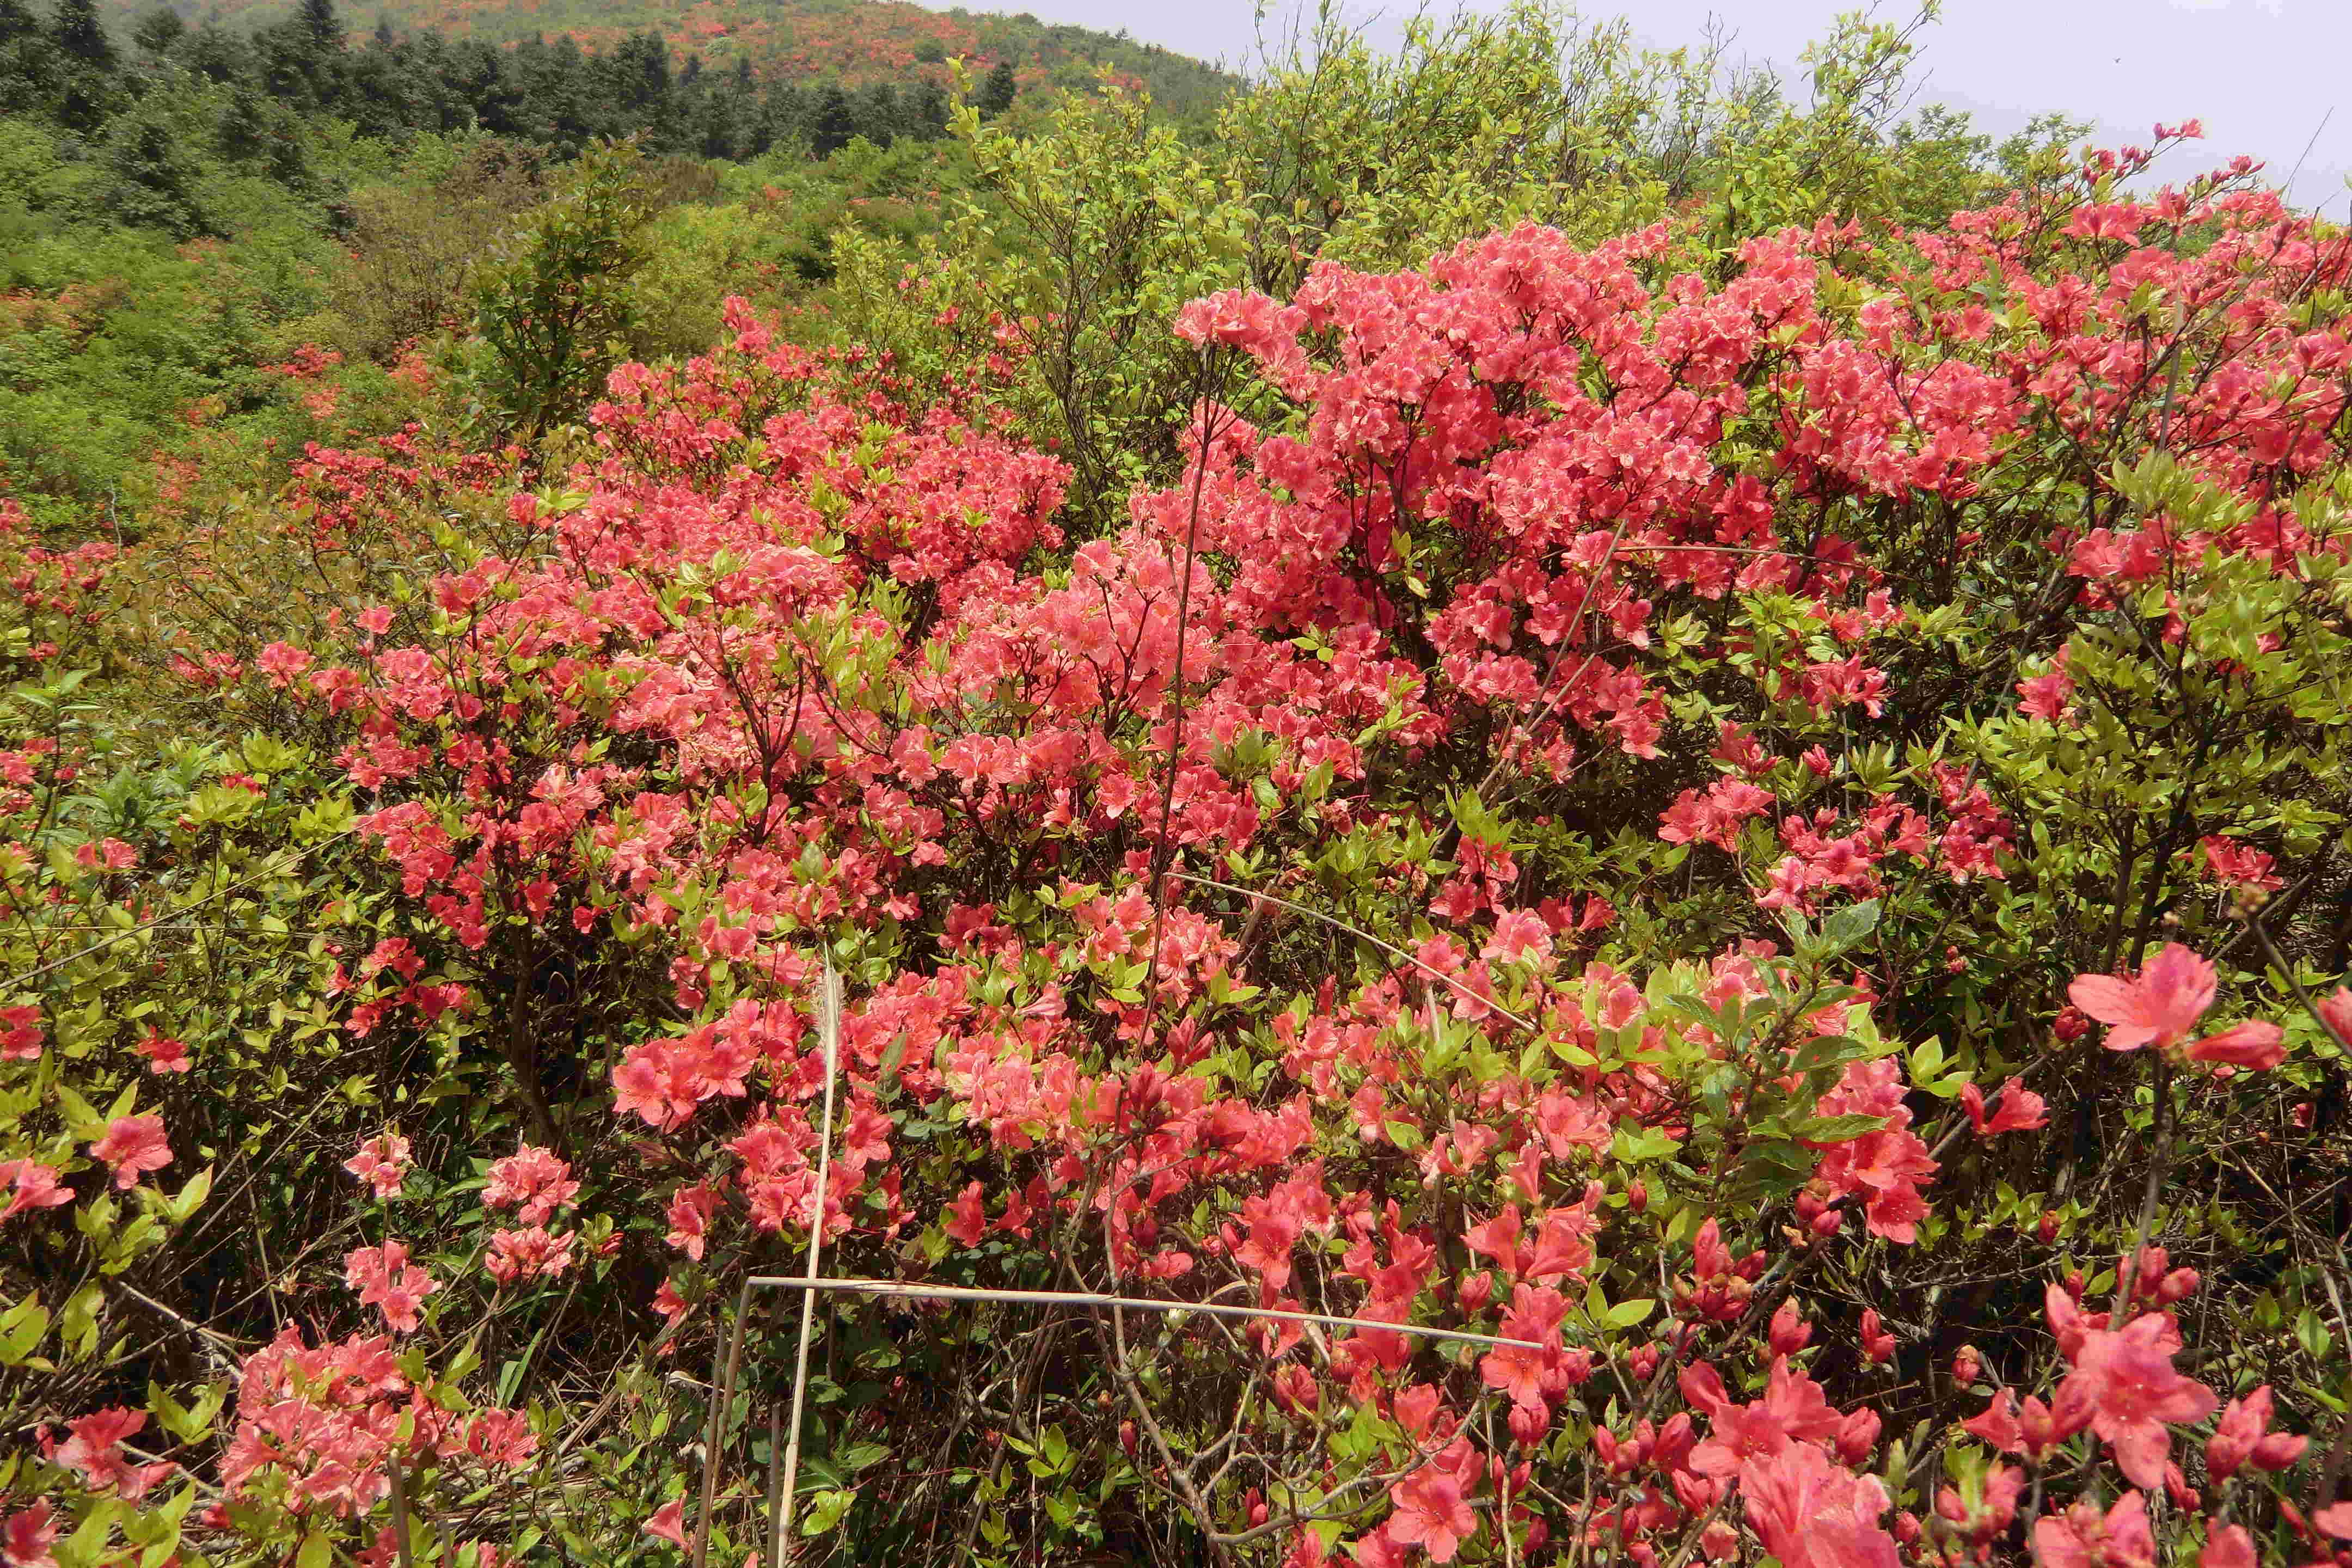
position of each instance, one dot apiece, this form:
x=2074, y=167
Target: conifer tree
x=997, y=91
x=80, y=35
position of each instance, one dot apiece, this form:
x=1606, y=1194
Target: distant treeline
x=66, y=67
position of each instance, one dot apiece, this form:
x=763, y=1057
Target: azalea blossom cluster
x=1466, y=858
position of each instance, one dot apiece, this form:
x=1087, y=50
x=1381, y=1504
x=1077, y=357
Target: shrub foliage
x=1745, y=799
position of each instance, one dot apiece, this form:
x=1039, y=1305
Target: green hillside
x=856, y=41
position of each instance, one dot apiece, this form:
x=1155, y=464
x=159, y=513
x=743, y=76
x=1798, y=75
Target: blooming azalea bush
x=1767, y=833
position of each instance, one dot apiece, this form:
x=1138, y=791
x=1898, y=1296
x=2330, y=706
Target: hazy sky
x=2264, y=75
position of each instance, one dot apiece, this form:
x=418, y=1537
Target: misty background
x=2265, y=76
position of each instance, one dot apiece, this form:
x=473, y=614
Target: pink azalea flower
x=1812, y=1513
x=31, y=1185
x=2082, y=1537
x=2020, y=1109
x=2124, y=1381
x=2252, y=1044
x=381, y=1163
x=2243, y=1435
x=532, y=1254
x=969, y=1221
x=668, y=1523
x=1432, y=1512
x=2158, y=1007
x=533, y=1178
x=25, y=1539
x=384, y=1277
x=133, y=1145
x=2336, y=1012
x=20, y=1033
x=93, y=1450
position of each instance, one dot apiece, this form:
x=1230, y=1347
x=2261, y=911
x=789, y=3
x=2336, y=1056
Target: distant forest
x=67, y=66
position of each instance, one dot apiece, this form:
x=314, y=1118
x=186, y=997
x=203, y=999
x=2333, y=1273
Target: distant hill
x=852, y=41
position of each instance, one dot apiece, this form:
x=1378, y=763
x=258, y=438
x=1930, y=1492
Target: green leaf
x=1836, y=1129
x=1845, y=927
x=826, y=1509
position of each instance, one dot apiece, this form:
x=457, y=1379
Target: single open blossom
x=2228, y=1546
x=31, y=1185
x=164, y=1053
x=689, y=1218
x=133, y=1145
x=21, y=1039
x=2018, y=1109
x=969, y=1220
x=1815, y=1514
x=2158, y=1006
x=93, y=1450
x=386, y=1277
x=2046, y=696
x=2082, y=1537
x=27, y=1535
x=2161, y=1005
x=2124, y=1383
x=2336, y=1012
x=1432, y=1512
x=668, y=1523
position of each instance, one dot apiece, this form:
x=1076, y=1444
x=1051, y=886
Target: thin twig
x=399, y=1510
x=13, y=981
x=1129, y=1303
x=1486, y=1001
x=829, y=1032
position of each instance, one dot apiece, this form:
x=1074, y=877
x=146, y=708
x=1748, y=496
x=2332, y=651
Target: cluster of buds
x=1718, y=1287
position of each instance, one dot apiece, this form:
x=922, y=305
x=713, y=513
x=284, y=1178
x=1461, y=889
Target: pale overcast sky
x=2264, y=75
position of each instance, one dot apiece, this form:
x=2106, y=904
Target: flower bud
x=1857, y=1436
x=1966, y=1366
x=2047, y=1231
x=1529, y=1423
x=1790, y=1332
x=2278, y=1450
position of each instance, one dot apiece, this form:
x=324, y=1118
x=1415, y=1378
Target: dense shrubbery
x=1738, y=775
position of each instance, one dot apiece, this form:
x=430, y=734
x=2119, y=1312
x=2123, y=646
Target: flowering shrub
x=1764, y=832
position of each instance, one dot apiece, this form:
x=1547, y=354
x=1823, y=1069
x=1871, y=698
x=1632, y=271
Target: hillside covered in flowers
x=1652, y=774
